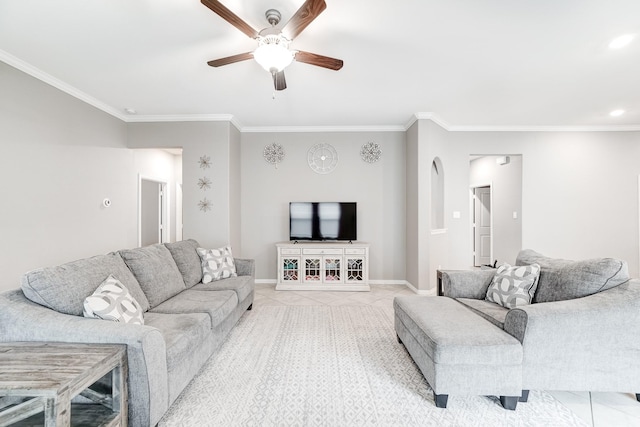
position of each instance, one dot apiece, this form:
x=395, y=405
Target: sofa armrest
x=598, y=333
x=466, y=283
x=24, y=320
x=245, y=267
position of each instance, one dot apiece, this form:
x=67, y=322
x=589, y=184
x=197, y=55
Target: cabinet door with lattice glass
x=355, y=272
x=290, y=270
x=312, y=270
x=332, y=270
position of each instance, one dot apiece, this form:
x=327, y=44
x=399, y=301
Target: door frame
x=164, y=212
x=472, y=230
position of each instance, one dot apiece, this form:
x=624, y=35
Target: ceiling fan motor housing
x=273, y=17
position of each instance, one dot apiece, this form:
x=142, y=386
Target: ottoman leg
x=399, y=340
x=525, y=396
x=638, y=397
x=509, y=402
x=441, y=399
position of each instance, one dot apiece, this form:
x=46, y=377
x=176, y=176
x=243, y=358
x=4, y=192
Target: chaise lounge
x=579, y=332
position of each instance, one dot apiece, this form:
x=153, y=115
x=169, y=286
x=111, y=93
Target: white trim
x=439, y=231
x=430, y=292
x=388, y=282
x=638, y=221
x=302, y=129
x=472, y=187
x=266, y=281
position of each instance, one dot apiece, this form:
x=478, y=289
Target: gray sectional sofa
x=185, y=321
x=580, y=333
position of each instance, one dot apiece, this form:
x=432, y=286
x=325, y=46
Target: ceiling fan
x=273, y=52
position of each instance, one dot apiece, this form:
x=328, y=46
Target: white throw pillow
x=514, y=286
x=217, y=264
x=112, y=301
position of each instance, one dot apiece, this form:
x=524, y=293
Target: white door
x=482, y=226
x=152, y=215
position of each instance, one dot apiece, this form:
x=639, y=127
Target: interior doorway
x=153, y=201
x=482, y=226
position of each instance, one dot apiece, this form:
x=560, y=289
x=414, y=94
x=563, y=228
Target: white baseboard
x=431, y=292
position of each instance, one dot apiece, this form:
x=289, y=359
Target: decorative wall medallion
x=204, y=183
x=205, y=162
x=205, y=205
x=322, y=158
x=273, y=153
x=370, y=152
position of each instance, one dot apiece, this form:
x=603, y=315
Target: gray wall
x=212, y=228
x=60, y=159
x=579, y=191
x=378, y=188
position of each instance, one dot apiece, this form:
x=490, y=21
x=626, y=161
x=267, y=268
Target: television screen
x=322, y=221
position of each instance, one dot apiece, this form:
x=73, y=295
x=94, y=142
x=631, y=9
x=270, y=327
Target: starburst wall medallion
x=205, y=162
x=205, y=205
x=204, y=183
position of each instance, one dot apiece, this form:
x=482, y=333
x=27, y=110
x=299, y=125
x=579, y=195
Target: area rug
x=333, y=366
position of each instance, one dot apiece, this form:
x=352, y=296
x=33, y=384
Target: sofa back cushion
x=563, y=279
x=156, y=271
x=188, y=261
x=64, y=288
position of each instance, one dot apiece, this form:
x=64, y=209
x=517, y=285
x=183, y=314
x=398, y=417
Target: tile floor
x=596, y=409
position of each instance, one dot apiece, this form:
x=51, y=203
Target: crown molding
x=302, y=129
x=64, y=87
x=29, y=69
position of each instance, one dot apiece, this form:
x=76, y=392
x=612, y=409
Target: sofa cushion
x=564, y=279
x=491, y=311
x=112, y=301
x=156, y=272
x=187, y=259
x=242, y=285
x=513, y=286
x=63, y=288
x=218, y=305
x=182, y=332
x=217, y=264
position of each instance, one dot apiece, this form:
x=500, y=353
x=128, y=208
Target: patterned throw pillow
x=112, y=301
x=217, y=264
x=514, y=286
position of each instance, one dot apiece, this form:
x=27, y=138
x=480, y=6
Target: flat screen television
x=322, y=221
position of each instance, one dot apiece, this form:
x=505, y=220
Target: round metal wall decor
x=322, y=158
x=273, y=153
x=370, y=152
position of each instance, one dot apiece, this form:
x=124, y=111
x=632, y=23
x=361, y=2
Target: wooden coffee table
x=46, y=376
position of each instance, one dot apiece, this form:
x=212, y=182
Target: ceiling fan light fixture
x=273, y=53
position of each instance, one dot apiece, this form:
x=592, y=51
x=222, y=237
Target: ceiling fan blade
x=303, y=17
x=319, y=60
x=231, y=59
x=279, y=81
x=230, y=17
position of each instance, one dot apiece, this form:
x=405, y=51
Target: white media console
x=317, y=266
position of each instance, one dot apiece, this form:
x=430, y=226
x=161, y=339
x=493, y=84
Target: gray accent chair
x=186, y=321
x=581, y=332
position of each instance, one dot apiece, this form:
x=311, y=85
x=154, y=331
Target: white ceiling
x=471, y=63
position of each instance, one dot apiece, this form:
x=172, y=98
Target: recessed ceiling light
x=616, y=113
x=622, y=41
x=130, y=111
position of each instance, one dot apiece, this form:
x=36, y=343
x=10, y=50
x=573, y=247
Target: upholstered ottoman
x=458, y=351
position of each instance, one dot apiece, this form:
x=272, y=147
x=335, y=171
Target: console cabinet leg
x=250, y=307
x=441, y=399
x=509, y=402
x=638, y=397
x=525, y=396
